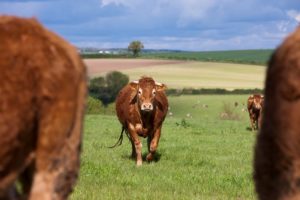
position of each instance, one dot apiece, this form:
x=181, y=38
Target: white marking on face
x=153, y=92
x=140, y=92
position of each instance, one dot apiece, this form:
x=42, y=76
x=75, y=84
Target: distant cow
x=255, y=108
x=42, y=96
x=141, y=108
x=277, y=151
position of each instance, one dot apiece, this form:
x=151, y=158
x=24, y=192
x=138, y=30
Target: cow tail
x=119, y=142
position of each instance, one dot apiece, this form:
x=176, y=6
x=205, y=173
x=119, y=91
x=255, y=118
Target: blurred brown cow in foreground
x=277, y=152
x=42, y=97
x=141, y=108
x=255, y=108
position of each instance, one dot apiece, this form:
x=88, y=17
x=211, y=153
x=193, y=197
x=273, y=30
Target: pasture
x=184, y=74
x=258, y=56
x=200, y=155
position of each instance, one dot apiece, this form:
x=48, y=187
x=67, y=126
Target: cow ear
x=250, y=101
x=134, y=86
x=160, y=86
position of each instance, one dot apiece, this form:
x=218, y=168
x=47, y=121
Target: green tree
x=97, y=84
x=106, y=89
x=115, y=82
x=135, y=46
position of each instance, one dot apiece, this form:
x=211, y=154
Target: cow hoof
x=149, y=157
x=133, y=156
x=139, y=163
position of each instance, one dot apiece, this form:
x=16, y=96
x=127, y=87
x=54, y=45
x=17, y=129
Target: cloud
x=194, y=10
x=174, y=24
x=127, y=3
x=295, y=15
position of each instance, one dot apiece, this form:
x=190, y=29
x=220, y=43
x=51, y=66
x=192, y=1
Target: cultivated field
x=184, y=74
x=101, y=66
x=199, y=157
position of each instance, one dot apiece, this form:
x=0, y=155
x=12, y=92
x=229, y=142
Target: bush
x=95, y=106
x=106, y=89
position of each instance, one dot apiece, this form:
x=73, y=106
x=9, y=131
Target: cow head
x=146, y=93
x=257, y=101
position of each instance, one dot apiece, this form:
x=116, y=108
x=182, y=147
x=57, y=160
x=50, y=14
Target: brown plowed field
x=99, y=66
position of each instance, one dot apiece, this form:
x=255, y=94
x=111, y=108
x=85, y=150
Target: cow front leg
x=133, y=151
x=256, y=124
x=136, y=143
x=252, y=122
x=153, y=143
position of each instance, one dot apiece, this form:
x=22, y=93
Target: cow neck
x=138, y=111
x=147, y=118
x=255, y=109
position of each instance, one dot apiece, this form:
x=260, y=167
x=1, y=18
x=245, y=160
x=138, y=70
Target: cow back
x=37, y=68
x=277, y=158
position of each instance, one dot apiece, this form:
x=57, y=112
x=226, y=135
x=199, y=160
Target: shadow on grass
x=249, y=128
x=156, y=158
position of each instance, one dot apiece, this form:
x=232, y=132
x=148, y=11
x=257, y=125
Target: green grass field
x=199, y=157
x=204, y=75
x=258, y=57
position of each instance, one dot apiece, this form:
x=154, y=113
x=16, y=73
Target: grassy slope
x=209, y=159
x=238, y=56
x=204, y=75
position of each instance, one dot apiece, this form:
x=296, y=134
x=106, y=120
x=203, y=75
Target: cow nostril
x=147, y=106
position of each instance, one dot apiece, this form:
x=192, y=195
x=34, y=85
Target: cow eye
x=140, y=92
x=153, y=92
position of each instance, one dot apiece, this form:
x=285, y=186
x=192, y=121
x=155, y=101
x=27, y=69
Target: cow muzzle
x=257, y=106
x=147, y=107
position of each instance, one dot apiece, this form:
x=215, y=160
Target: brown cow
x=255, y=107
x=141, y=108
x=277, y=151
x=42, y=97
